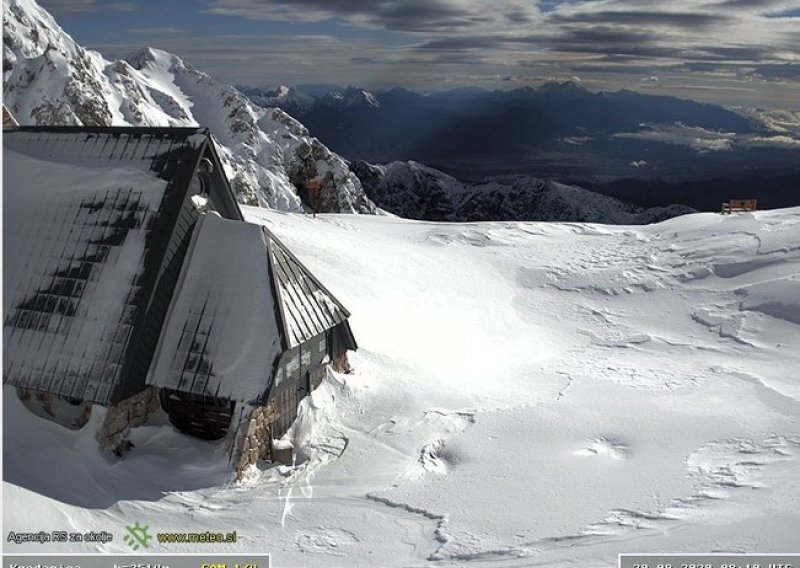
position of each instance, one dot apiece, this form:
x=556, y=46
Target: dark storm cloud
x=519, y=17
x=631, y=69
x=456, y=59
x=610, y=42
x=461, y=43
x=792, y=13
x=69, y=6
x=366, y=60
x=708, y=67
x=778, y=72
x=605, y=36
x=681, y=28
x=402, y=15
x=606, y=40
x=424, y=16
x=689, y=20
x=739, y=52
x=699, y=46
x=760, y=4
x=59, y=7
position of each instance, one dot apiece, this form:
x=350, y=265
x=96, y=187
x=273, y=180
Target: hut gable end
x=221, y=338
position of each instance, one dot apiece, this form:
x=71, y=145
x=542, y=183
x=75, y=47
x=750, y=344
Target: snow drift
x=524, y=393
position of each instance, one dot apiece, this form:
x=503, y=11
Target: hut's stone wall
x=253, y=437
x=123, y=416
x=54, y=408
x=250, y=438
x=341, y=364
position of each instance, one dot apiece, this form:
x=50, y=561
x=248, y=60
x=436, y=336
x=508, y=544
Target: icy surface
x=524, y=394
x=221, y=336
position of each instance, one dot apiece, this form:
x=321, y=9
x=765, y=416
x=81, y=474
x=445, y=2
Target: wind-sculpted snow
x=524, y=393
x=268, y=156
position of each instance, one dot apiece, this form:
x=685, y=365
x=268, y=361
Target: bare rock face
x=51, y=80
x=313, y=161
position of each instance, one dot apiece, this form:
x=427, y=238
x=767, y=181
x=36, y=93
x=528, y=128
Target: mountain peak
x=353, y=97
x=400, y=92
x=570, y=87
x=152, y=57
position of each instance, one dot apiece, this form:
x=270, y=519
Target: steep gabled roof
x=88, y=218
x=307, y=308
x=221, y=337
x=241, y=300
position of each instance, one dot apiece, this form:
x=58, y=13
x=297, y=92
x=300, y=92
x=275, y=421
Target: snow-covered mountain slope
x=534, y=199
x=268, y=156
x=415, y=191
x=525, y=394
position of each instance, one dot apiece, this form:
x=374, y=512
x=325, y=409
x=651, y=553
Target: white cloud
x=771, y=142
x=703, y=140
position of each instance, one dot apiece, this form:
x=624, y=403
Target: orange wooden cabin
x=737, y=205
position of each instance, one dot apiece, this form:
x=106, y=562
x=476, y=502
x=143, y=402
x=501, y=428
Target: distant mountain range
x=415, y=191
x=559, y=130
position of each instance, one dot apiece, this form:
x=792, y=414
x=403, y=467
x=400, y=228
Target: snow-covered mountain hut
x=131, y=281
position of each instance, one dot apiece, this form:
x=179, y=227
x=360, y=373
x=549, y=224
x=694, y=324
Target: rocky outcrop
x=410, y=189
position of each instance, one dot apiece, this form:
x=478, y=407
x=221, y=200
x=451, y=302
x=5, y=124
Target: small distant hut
x=131, y=281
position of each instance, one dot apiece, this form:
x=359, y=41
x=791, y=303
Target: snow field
x=524, y=394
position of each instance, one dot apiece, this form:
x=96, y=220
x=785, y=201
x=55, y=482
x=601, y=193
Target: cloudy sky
x=739, y=52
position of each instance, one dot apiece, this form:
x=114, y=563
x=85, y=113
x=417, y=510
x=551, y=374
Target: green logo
x=137, y=536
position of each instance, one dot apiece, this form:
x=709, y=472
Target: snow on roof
x=83, y=217
x=307, y=307
x=221, y=338
x=88, y=216
x=242, y=299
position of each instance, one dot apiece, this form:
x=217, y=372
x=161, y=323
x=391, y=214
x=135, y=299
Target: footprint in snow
x=605, y=447
x=325, y=541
